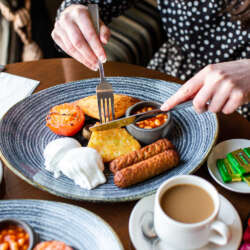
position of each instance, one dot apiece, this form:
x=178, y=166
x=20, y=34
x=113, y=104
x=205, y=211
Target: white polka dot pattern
x=198, y=33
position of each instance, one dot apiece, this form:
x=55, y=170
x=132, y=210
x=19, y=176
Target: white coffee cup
x=189, y=235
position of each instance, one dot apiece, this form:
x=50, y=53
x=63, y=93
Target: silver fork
x=104, y=91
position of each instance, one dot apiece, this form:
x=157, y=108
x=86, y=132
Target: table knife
x=122, y=122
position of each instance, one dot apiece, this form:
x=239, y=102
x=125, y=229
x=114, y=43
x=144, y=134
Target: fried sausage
x=146, y=169
x=140, y=155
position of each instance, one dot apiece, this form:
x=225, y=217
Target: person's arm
x=75, y=34
x=218, y=87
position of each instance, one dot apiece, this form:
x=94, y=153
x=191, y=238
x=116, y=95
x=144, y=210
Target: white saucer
x=220, y=151
x=227, y=214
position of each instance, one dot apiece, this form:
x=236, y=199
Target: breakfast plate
x=76, y=227
x=220, y=151
x=23, y=137
x=227, y=214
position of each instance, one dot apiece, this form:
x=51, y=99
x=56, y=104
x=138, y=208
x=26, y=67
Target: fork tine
x=99, y=107
x=104, y=109
x=108, y=108
x=112, y=107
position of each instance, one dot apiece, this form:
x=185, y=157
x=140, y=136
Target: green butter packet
x=246, y=179
x=239, y=161
x=228, y=174
x=235, y=175
x=247, y=152
x=223, y=171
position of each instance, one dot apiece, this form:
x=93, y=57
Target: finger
x=87, y=28
x=58, y=40
x=64, y=43
x=211, y=83
x=220, y=97
x=235, y=100
x=186, y=92
x=76, y=37
x=203, y=97
x=104, y=33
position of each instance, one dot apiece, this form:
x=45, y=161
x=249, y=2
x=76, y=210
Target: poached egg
x=83, y=165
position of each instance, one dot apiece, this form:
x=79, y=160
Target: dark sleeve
x=108, y=8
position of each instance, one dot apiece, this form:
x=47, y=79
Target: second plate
x=76, y=227
x=220, y=151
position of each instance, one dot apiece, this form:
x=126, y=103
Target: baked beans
x=152, y=122
x=13, y=237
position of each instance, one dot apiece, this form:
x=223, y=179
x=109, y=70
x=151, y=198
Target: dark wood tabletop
x=55, y=71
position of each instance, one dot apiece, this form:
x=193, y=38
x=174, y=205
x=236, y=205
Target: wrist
x=66, y=4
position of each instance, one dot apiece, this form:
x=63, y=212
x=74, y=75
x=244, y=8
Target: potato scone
x=121, y=103
x=113, y=143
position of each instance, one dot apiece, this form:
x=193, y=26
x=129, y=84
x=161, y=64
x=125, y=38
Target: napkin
x=13, y=89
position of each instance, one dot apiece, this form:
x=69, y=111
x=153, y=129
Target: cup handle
x=220, y=233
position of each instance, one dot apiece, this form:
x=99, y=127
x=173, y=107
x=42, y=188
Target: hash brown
x=113, y=143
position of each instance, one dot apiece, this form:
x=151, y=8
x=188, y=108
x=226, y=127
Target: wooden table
x=54, y=71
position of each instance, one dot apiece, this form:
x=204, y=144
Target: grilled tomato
x=65, y=119
x=52, y=245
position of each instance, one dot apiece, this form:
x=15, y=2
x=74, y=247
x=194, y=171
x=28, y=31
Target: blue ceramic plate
x=77, y=227
x=23, y=137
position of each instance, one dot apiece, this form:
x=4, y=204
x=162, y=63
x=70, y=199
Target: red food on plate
x=65, y=119
x=52, y=245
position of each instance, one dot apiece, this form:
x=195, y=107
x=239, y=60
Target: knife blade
x=137, y=117
x=122, y=122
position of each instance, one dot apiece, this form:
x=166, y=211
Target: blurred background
x=26, y=25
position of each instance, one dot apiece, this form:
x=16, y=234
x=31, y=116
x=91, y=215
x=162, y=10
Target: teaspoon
x=147, y=228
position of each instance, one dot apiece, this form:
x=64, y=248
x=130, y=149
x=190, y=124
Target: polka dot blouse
x=198, y=33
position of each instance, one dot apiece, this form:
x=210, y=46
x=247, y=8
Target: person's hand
x=217, y=87
x=75, y=34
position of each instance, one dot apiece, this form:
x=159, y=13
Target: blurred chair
x=135, y=36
